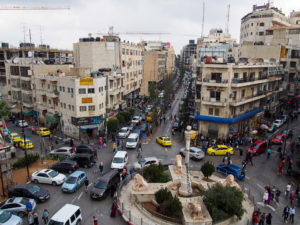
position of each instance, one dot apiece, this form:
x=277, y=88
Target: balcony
x=15, y=88
x=28, y=104
x=213, y=101
x=52, y=94
x=247, y=99
x=15, y=76
x=26, y=91
x=242, y=82
x=215, y=83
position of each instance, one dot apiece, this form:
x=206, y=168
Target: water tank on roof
x=4, y=45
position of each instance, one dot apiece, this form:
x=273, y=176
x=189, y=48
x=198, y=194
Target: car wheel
x=212, y=153
x=21, y=214
x=54, y=183
x=36, y=181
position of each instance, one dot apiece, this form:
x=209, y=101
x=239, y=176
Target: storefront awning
x=52, y=118
x=30, y=113
x=88, y=127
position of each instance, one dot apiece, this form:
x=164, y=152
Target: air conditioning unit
x=29, y=72
x=213, y=100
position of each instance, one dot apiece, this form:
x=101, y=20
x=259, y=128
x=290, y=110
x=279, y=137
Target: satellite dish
x=15, y=60
x=29, y=54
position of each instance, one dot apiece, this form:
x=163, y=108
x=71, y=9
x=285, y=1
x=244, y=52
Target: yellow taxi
x=15, y=137
x=149, y=117
x=220, y=150
x=29, y=144
x=44, y=131
x=164, y=141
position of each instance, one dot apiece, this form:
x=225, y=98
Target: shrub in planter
x=155, y=174
x=162, y=195
x=21, y=162
x=131, y=111
x=126, y=115
x=168, y=205
x=207, y=169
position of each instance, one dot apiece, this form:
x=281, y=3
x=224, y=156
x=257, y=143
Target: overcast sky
x=182, y=19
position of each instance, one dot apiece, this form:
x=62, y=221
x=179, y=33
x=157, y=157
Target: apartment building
x=111, y=52
x=187, y=52
x=229, y=96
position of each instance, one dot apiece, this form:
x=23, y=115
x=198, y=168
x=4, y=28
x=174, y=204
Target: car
x=272, y=128
x=17, y=205
x=83, y=160
x=145, y=162
x=288, y=133
x=149, y=117
x=136, y=119
x=143, y=127
x=29, y=191
x=66, y=166
x=132, y=140
x=195, y=153
x=278, y=139
x=103, y=186
x=258, y=147
x=68, y=215
x=74, y=181
x=131, y=126
x=48, y=176
x=138, y=132
x=120, y=160
x=62, y=151
x=28, y=144
x=86, y=149
x=284, y=118
x=236, y=171
x=176, y=125
x=21, y=123
x=15, y=137
x=278, y=123
x=44, y=131
x=220, y=150
x=164, y=141
x=6, y=218
x=124, y=132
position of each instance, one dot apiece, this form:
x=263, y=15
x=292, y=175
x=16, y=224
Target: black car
x=85, y=149
x=29, y=191
x=83, y=160
x=66, y=166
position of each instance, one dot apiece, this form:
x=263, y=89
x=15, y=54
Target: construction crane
x=16, y=7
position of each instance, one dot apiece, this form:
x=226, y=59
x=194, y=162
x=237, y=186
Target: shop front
x=88, y=126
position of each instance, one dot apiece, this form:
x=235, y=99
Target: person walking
x=28, y=206
x=240, y=150
x=269, y=219
x=86, y=184
x=286, y=211
x=280, y=168
x=36, y=219
x=101, y=168
x=30, y=219
x=45, y=216
x=292, y=197
x=277, y=195
x=287, y=190
x=266, y=197
x=262, y=219
x=255, y=219
x=269, y=153
x=95, y=220
x=114, y=146
x=292, y=214
x=250, y=157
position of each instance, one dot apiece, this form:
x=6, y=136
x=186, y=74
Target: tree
x=223, y=202
x=162, y=195
x=4, y=111
x=126, y=115
x=168, y=205
x=207, y=169
x=152, y=92
x=155, y=174
x=112, y=124
x=120, y=118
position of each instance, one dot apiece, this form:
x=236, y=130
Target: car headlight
x=41, y=197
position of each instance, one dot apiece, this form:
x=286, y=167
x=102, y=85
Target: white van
x=132, y=140
x=120, y=160
x=67, y=215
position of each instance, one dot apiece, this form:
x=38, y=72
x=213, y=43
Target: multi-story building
x=229, y=96
x=111, y=52
x=187, y=52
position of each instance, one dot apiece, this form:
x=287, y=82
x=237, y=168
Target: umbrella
x=264, y=127
x=253, y=132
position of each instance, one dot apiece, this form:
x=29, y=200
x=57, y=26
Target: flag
x=6, y=129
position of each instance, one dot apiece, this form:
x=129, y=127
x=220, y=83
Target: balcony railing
x=219, y=81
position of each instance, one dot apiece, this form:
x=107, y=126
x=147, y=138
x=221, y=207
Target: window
x=236, y=75
x=49, y=101
x=72, y=218
x=72, y=90
x=82, y=91
x=127, y=52
x=82, y=108
x=60, y=89
x=261, y=33
x=77, y=213
x=91, y=108
x=14, y=70
x=261, y=24
x=123, y=51
x=251, y=24
x=242, y=108
x=61, y=104
x=64, y=105
x=91, y=90
x=210, y=111
x=217, y=112
x=73, y=108
x=48, y=86
x=216, y=95
x=243, y=93
x=63, y=88
x=123, y=63
x=69, y=107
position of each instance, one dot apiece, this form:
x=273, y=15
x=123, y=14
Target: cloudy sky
x=181, y=19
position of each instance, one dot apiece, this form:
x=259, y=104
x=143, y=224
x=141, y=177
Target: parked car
x=120, y=160
x=220, y=150
x=278, y=123
x=17, y=206
x=236, y=171
x=143, y=127
x=66, y=166
x=124, y=132
x=85, y=149
x=44, y=131
x=62, y=151
x=28, y=143
x=195, y=153
x=6, y=218
x=145, y=162
x=284, y=118
x=136, y=119
x=48, y=176
x=16, y=138
x=103, y=186
x=83, y=160
x=21, y=123
x=258, y=147
x=68, y=215
x=74, y=181
x=138, y=132
x=164, y=141
x=272, y=128
x=278, y=139
x=29, y=191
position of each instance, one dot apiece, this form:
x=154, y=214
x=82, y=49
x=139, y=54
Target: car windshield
x=142, y=161
x=53, y=222
x=277, y=121
x=27, y=142
x=53, y=173
x=167, y=139
x=71, y=180
x=4, y=217
x=101, y=184
x=131, y=140
x=24, y=201
x=256, y=146
x=123, y=131
x=34, y=189
x=278, y=137
x=118, y=160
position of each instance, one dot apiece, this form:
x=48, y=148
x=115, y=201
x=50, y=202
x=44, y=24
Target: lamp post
x=26, y=159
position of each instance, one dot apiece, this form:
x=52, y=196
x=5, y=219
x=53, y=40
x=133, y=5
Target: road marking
x=260, y=186
x=247, y=177
x=145, y=143
x=90, y=184
x=80, y=195
x=263, y=204
x=73, y=200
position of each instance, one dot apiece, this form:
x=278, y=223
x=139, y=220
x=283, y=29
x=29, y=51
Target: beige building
x=229, y=96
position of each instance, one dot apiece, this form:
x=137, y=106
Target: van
x=68, y=215
x=132, y=140
x=120, y=160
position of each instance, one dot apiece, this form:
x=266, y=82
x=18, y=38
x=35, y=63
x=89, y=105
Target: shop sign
x=86, y=81
x=87, y=100
x=85, y=120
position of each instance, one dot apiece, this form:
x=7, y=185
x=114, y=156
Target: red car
x=278, y=139
x=258, y=147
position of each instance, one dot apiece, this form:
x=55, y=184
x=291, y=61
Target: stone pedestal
x=186, y=185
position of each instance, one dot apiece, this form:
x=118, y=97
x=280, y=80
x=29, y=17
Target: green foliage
x=55, y=157
x=174, y=206
x=208, y=169
x=112, y=124
x=21, y=162
x=223, y=202
x=126, y=115
x=152, y=92
x=120, y=118
x=155, y=174
x=162, y=195
x=131, y=111
x=4, y=111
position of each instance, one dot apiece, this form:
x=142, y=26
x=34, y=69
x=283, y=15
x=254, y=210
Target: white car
x=6, y=218
x=145, y=162
x=195, y=153
x=124, y=132
x=48, y=176
x=278, y=123
x=64, y=151
x=22, y=123
x=136, y=119
x=120, y=160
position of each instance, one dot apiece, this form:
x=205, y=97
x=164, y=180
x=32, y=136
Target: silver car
x=145, y=162
x=64, y=151
x=17, y=205
x=6, y=218
x=195, y=153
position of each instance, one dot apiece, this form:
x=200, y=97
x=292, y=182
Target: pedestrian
x=35, y=219
x=280, y=168
x=45, y=216
x=113, y=209
x=124, y=173
x=86, y=184
x=123, y=145
x=287, y=190
x=131, y=171
x=101, y=168
x=95, y=167
x=118, y=142
x=99, y=144
x=30, y=219
x=173, y=132
x=114, y=147
x=241, y=150
x=95, y=220
x=269, y=153
x=292, y=214
x=262, y=219
x=266, y=196
x=269, y=219
x=139, y=155
x=292, y=197
x=164, y=119
x=150, y=127
x=255, y=219
x=28, y=206
x=71, y=143
x=250, y=157
x=286, y=211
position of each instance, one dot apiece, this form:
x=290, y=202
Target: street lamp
x=26, y=158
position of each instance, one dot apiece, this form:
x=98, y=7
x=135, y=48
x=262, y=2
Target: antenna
x=202, y=31
x=227, y=19
x=24, y=32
